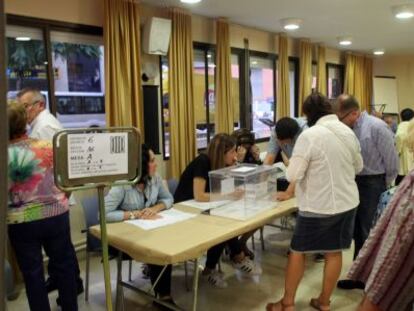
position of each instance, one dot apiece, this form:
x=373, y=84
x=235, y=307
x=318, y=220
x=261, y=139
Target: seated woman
x=143, y=200
x=38, y=217
x=194, y=184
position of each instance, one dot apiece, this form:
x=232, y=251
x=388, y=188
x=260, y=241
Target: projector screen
x=385, y=93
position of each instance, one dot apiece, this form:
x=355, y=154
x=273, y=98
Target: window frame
x=274, y=58
x=295, y=60
x=47, y=26
x=341, y=67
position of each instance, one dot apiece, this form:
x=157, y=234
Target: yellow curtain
x=181, y=100
x=305, y=76
x=123, y=92
x=224, y=107
x=358, y=79
x=283, y=85
x=321, y=74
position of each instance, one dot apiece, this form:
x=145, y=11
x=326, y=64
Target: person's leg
x=163, y=287
x=294, y=273
x=236, y=252
x=370, y=190
x=331, y=273
x=213, y=257
x=27, y=245
x=58, y=246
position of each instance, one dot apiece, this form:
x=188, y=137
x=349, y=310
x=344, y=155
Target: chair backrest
x=91, y=211
x=172, y=185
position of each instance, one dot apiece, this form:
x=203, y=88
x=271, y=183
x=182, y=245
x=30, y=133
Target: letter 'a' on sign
x=96, y=156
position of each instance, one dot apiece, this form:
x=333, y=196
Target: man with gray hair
x=44, y=125
x=380, y=168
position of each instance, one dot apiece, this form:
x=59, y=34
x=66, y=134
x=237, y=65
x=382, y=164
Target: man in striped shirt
x=380, y=168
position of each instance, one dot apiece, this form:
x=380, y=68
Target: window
x=78, y=79
x=314, y=76
x=165, y=105
x=65, y=61
x=293, y=85
x=335, y=80
x=27, y=61
x=262, y=83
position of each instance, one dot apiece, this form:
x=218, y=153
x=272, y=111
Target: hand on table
x=147, y=213
x=283, y=196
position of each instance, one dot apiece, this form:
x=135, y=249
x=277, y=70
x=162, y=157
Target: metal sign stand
x=97, y=158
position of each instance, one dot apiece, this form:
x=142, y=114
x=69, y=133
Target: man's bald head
x=347, y=109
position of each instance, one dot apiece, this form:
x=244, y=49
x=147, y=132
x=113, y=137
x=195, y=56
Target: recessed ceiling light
x=23, y=39
x=208, y=55
x=379, y=52
x=254, y=62
x=403, y=11
x=345, y=41
x=190, y=1
x=291, y=23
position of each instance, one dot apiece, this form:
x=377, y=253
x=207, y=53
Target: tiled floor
x=242, y=293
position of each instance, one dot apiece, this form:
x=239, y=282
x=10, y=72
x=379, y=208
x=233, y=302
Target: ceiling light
x=345, y=40
x=291, y=23
x=23, y=39
x=379, y=52
x=208, y=55
x=190, y=1
x=254, y=62
x=403, y=11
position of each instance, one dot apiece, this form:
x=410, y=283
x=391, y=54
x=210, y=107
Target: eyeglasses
x=346, y=114
x=30, y=105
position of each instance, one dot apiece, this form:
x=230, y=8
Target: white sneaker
x=215, y=279
x=247, y=266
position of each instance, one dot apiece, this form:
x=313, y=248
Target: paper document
x=168, y=217
x=227, y=185
x=204, y=205
x=243, y=169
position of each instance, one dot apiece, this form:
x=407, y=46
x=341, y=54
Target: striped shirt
x=377, y=147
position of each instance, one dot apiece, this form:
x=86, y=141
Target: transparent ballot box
x=242, y=191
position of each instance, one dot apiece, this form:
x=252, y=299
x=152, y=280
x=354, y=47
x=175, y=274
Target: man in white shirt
x=43, y=126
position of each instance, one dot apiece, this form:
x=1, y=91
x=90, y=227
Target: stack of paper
x=168, y=217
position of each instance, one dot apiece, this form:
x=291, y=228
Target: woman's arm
x=113, y=200
x=199, y=186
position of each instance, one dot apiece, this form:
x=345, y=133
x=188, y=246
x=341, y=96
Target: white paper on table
x=227, y=185
x=239, y=210
x=243, y=169
x=168, y=217
x=204, y=205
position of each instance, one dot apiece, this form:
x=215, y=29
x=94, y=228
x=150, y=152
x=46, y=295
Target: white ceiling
x=369, y=22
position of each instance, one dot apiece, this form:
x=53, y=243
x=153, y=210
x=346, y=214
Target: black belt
x=376, y=176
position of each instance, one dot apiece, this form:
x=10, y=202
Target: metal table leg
x=119, y=301
x=195, y=284
x=104, y=242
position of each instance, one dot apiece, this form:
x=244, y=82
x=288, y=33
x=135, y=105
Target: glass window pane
x=200, y=100
x=335, y=81
x=27, y=62
x=78, y=66
x=292, y=84
x=314, y=76
x=235, y=88
x=263, y=97
x=165, y=104
x=211, y=56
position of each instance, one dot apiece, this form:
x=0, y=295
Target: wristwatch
x=131, y=215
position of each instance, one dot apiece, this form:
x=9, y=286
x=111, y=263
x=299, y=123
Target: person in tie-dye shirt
x=38, y=216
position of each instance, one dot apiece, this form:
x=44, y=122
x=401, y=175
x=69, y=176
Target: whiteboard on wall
x=385, y=93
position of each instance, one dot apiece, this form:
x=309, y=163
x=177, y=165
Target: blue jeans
x=370, y=188
x=53, y=234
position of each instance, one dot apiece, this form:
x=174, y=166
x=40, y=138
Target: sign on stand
x=97, y=158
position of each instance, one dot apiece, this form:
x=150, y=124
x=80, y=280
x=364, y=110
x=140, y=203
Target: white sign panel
x=97, y=154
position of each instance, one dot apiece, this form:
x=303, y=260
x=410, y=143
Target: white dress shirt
x=44, y=126
x=324, y=163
